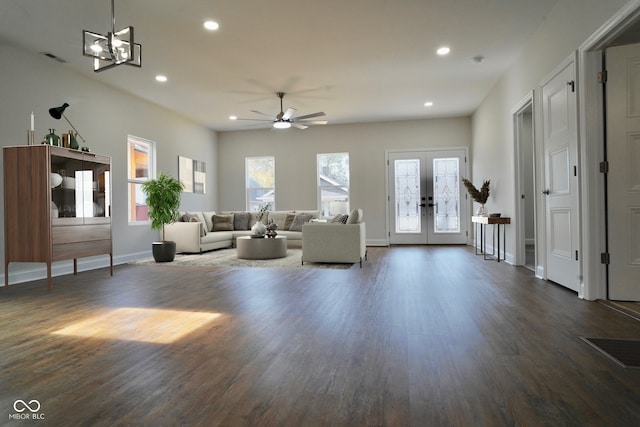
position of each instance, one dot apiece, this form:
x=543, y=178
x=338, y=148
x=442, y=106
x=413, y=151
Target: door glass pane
x=407, y=196
x=446, y=195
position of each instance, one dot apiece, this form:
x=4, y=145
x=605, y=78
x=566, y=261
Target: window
x=141, y=168
x=260, y=182
x=333, y=184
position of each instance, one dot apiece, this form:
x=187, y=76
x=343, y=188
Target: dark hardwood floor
x=420, y=336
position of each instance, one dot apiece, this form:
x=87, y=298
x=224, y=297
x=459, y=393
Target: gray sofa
x=205, y=231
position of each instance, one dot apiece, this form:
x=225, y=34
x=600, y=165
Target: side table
x=495, y=222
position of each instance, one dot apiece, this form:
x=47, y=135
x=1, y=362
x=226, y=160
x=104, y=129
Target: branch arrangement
x=479, y=196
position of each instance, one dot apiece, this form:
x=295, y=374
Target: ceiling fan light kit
x=286, y=119
x=116, y=48
x=281, y=125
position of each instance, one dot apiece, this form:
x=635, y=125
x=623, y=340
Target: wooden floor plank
x=420, y=336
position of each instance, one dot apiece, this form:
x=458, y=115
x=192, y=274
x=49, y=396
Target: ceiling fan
x=285, y=119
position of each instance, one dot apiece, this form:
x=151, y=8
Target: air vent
x=52, y=56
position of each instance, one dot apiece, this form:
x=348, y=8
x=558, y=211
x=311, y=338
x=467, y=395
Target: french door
x=425, y=200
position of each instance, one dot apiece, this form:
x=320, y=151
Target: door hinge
x=602, y=77
x=604, y=167
x=576, y=255
x=605, y=258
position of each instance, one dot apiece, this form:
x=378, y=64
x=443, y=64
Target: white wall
x=295, y=158
x=104, y=116
x=567, y=26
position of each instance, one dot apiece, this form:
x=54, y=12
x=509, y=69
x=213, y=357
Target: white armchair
x=329, y=242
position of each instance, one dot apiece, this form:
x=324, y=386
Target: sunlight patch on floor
x=140, y=324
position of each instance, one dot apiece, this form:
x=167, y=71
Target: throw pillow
x=355, y=217
x=222, y=222
x=288, y=220
x=203, y=221
x=340, y=219
x=241, y=221
x=188, y=217
x=299, y=219
x=207, y=219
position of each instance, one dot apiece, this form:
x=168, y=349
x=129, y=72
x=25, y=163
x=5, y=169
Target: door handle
x=431, y=205
x=546, y=192
x=423, y=205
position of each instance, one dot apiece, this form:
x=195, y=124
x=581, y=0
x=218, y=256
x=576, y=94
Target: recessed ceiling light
x=428, y=104
x=211, y=25
x=443, y=50
x=161, y=78
x=233, y=117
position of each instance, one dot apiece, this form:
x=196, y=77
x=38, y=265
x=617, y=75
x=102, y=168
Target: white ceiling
x=356, y=60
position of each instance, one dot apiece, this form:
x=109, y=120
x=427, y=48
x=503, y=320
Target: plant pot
x=164, y=251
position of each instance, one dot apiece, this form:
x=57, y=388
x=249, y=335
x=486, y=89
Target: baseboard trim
x=377, y=242
x=38, y=271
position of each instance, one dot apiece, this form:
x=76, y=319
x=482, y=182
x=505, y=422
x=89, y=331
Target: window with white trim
x=333, y=184
x=260, y=182
x=141, y=167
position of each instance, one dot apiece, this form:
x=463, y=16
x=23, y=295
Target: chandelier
x=116, y=48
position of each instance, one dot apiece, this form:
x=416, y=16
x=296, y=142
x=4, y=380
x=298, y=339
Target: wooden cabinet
x=57, y=206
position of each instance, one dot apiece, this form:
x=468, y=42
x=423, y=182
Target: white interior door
x=425, y=205
x=623, y=179
x=559, y=112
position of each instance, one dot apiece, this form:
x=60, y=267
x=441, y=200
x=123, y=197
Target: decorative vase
x=482, y=211
x=52, y=138
x=259, y=229
x=73, y=142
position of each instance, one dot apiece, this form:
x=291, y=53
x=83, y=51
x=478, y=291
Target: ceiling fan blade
x=256, y=120
x=314, y=122
x=310, y=116
x=263, y=114
x=299, y=126
x=288, y=114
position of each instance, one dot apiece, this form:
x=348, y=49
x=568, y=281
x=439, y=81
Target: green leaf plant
x=163, y=200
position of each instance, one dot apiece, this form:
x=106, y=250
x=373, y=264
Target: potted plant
x=163, y=199
x=481, y=196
